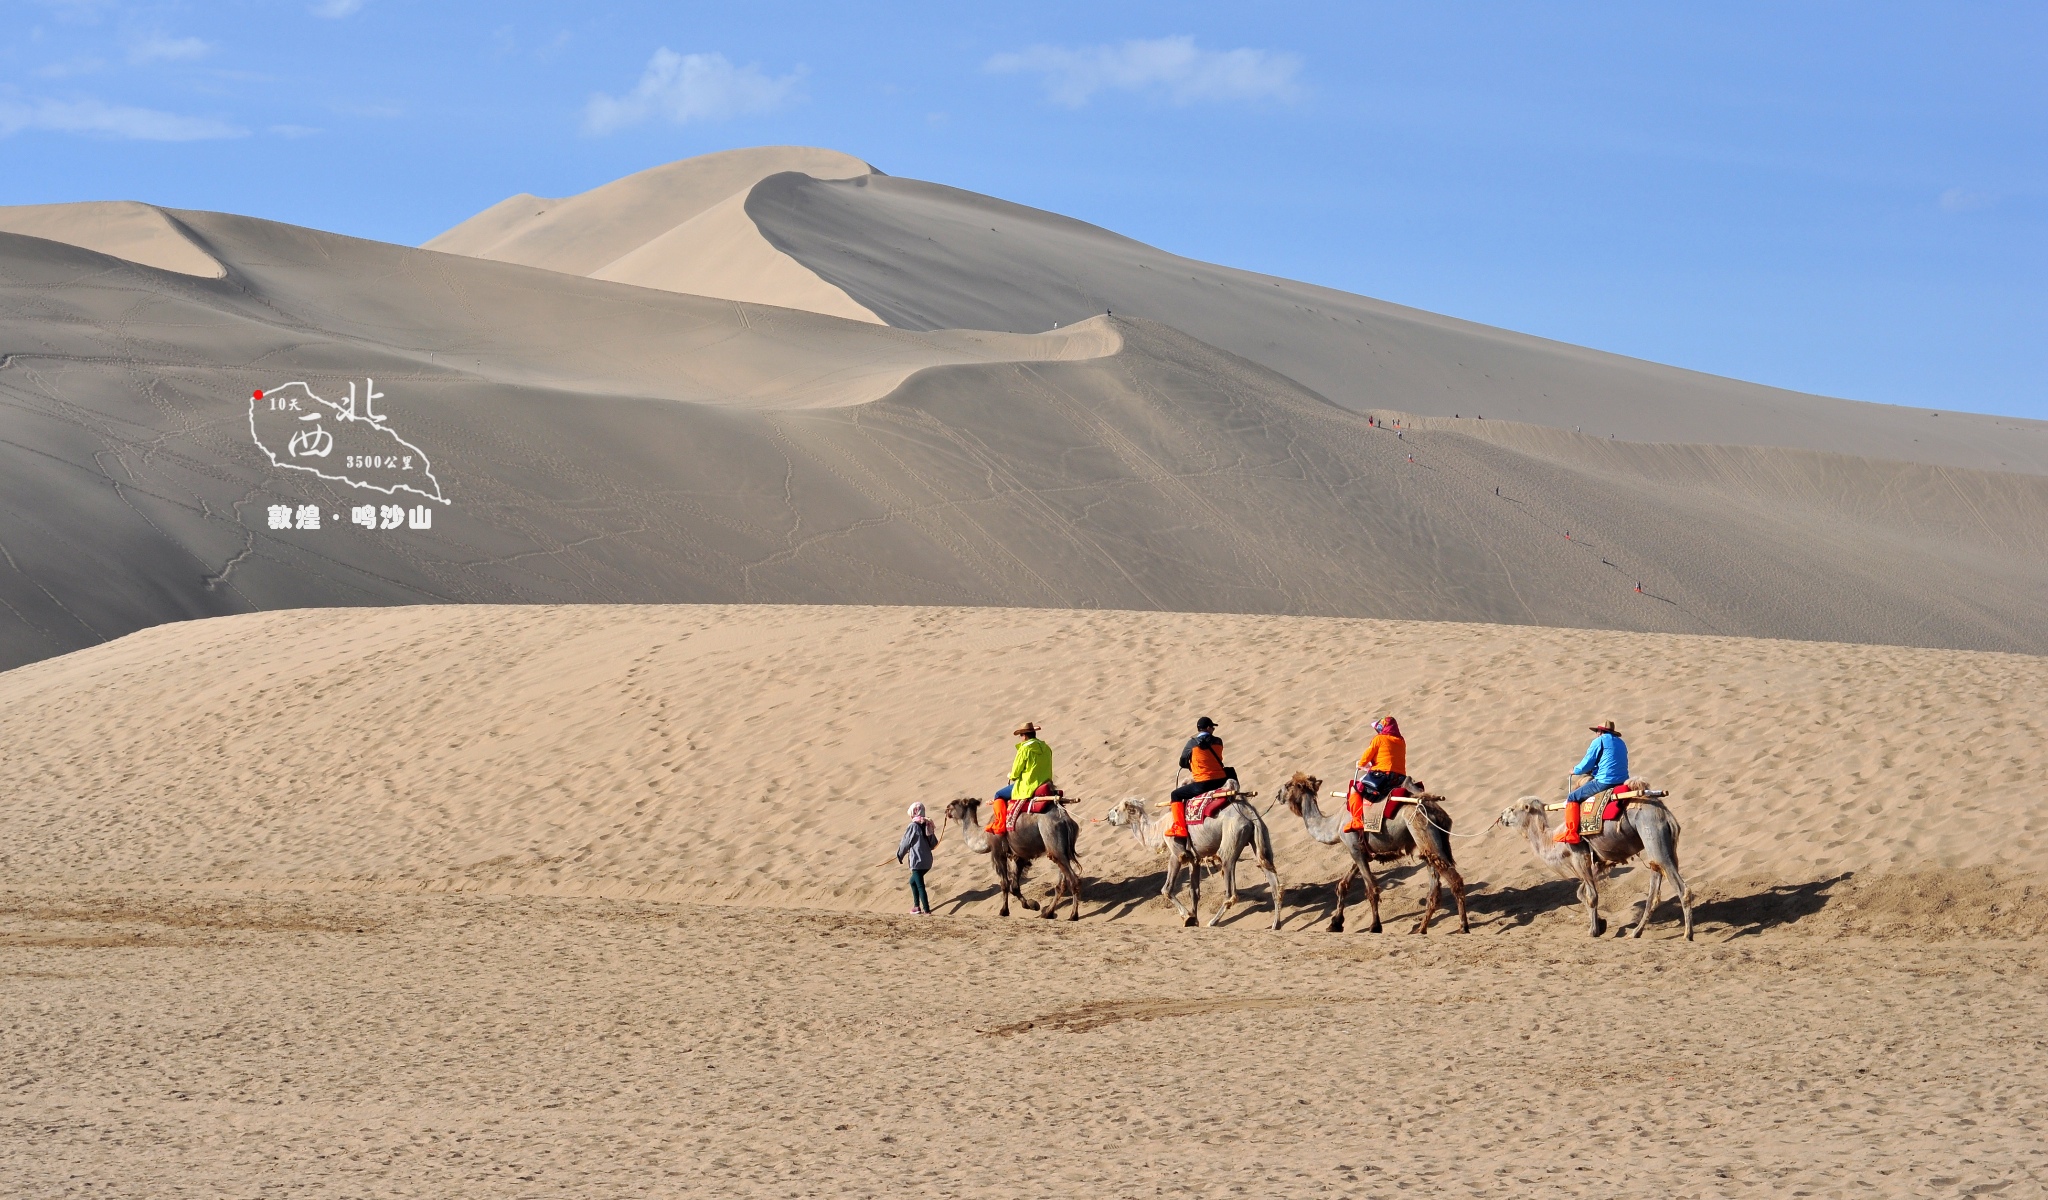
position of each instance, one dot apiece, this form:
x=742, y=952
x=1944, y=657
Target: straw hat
x=1027, y=729
x=1602, y=727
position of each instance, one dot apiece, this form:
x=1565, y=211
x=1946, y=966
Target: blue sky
x=1842, y=198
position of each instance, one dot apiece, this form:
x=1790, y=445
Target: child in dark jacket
x=915, y=851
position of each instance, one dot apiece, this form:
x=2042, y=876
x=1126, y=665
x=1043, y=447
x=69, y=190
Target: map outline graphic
x=346, y=412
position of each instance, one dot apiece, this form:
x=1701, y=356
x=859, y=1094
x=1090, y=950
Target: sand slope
x=679, y=227
x=140, y=233
x=763, y=755
x=612, y=443
x=926, y=256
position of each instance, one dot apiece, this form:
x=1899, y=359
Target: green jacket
x=1032, y=767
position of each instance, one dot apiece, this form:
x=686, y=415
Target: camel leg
x=1589, y=892
x=1372, y=891
x=1273, y=888
x=1003, y=882
x=1229, y=887
x=1649, y=901
x=1441, y=874
x=1173, y=882
x=1660, y=850
x=1073, y=878
x=1436, y=889
x=1343, y=883
x=1194, y=891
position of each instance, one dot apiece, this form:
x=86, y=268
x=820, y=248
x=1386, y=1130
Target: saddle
x=1041, y=801
x=1375, y=814
x=1208, y=804
x=1601, y=807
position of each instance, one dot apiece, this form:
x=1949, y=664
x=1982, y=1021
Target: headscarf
x=917, y=816
x=1388, y=726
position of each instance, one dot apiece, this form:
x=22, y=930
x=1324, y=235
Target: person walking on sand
x=1029, y=771
x=915, y=852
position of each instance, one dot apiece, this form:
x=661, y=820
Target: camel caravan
x=1389, y=817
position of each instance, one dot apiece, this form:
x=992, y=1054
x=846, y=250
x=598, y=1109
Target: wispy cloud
x=1170, y=67
x=691, y=87
x=158, y=47
x=1957, y=200
x=334, y=10
x=100, y=119
x=71, y=68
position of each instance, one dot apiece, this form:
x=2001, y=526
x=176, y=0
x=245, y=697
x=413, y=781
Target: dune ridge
x=139, y=233
x=680, y=227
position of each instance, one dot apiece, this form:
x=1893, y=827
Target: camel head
x=1521, y=810
x=966, y=810
x=1298, y=791
x=1126, y=812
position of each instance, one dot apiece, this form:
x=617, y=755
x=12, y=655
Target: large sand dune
x=763, y=755
x=600, y=441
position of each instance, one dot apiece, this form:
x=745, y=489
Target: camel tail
x=1436, y=830
x=1263, y=843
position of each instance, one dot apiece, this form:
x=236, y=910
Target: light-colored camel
x=1645, y=827
x=1053, y=834
x=1422, y=829
x=1220, y=840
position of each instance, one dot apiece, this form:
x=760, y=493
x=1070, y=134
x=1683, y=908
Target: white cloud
x=159, y=47
x=1956, y=200
x=334, y=10
x=110, y=120
x=691, y=87
x=1173, y=67
x=71, y=68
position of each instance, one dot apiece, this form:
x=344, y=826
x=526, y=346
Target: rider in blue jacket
x=1606, y=764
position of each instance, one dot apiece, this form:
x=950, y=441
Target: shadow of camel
x=1768, y=908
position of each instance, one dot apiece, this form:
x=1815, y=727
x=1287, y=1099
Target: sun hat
x=1602, y=727
x=1027, y=729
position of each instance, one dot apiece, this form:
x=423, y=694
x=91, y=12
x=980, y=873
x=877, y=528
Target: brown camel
x=1645, y=827
x=1052, y=834
x=1423, y=829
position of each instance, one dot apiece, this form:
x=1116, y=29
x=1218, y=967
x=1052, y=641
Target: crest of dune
x=681, y=227
x=140, y=233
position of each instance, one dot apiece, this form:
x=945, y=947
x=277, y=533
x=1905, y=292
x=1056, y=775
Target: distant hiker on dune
x=915, y=852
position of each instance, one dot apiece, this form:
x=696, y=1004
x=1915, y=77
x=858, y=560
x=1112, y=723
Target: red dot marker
x=258, y=393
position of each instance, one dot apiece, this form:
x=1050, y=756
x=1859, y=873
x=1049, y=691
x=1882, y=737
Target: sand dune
x=926, y=256
x=610, y=443
x=140, y=233
x=762, y=755
x=679, y=228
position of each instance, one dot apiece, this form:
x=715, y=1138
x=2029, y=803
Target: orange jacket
x=1203, y=756
x=1387, y=753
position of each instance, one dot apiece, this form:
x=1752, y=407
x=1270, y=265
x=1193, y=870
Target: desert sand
x=590, y=900
x=537, y=842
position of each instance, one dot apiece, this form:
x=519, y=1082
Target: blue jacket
x=1606, y=760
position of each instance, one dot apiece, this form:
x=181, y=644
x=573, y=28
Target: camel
x=1645, y=827
x=1051, y=834
x=1424, y=831
x=1219, y=840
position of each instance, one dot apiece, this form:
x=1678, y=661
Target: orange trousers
x=1000, y=823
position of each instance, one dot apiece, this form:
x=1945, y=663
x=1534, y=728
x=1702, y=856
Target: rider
x=1383, y=765
x=1028, y=771
x=1606, y=765
x=1201, y=758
